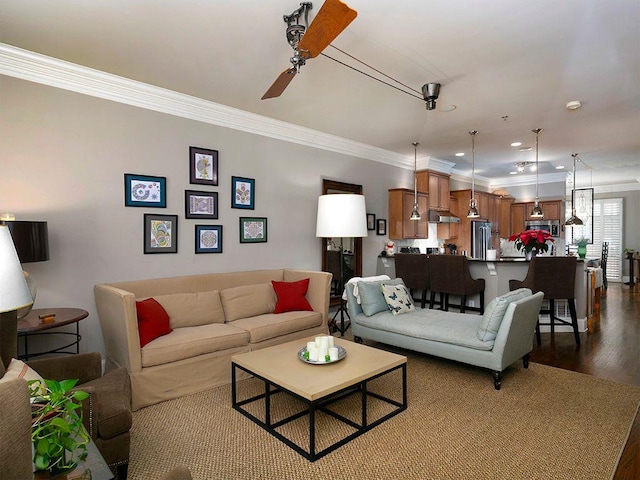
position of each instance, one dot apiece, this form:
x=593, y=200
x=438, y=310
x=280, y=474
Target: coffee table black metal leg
x=312, y=431
x=267, y=403
x=363, y=391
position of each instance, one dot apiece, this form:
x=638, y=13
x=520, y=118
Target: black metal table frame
x=62, y=349
x=315, y=405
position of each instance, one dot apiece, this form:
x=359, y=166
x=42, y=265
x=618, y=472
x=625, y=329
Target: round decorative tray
x=341, y=354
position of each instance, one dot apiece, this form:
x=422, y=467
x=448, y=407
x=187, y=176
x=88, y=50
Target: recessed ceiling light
x=525, y=149
x=513, y=173
x=447, y=108
x=560, y=167
x=460, y=154
x=516, y=144
x=573, y=105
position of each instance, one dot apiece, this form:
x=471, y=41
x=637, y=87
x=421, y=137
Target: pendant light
x=415, y=213
x=473, y=209
x=537, y=210
x=573, y=219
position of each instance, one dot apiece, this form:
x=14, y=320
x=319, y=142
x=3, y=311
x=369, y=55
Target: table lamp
x=14, y=294
x=341, y=216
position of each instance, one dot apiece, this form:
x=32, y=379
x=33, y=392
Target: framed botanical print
x=371, y=221
x=253, y=230
x=208, y=239
x=203, y=166
x=160, y=233
x=382, y=227
x=199, y=204
x=145, y=191
x=243, y=192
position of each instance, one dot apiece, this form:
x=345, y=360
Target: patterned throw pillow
x=398, y=299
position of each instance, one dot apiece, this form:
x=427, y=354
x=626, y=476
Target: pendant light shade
x=537, y=210
x=473, y=208
x=573, y=220
x=415, y=213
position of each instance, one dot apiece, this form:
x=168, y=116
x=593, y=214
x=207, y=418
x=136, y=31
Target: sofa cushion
x=112, y=409
x=271, y=325
x=494, y=313
x=153, y=321
x=189, y=342
x=372, y=300
x=291, y=296
x=192, y=309
x=247, y=301
x=19, y=369
x=398, y=298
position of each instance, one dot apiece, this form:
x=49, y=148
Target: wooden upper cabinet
x=483, y=202
x=449, y=231
x=518, y=215
x=552, y=210
x=439, y=191
x=504, y=217
x=422, y=181
x=400, y=207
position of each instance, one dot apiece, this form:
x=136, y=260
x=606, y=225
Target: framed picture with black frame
x=160, y=233
x=382, y=227
x=583, y=204
x=243, y=193
x=199, y=204
x=371, y=221
x=145, y=191
x=203, y=166
x=208, y=239
x=253, y=230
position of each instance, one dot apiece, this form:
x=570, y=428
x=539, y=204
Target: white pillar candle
x=322, y=354
x=323, y=342
x=311, y=345
x=333, y=354
x=330, y=338
x=318, y=342
x=313, y=354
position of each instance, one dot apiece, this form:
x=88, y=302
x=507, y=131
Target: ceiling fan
x=308, y=42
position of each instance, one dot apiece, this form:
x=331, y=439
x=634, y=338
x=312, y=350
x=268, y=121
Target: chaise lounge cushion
x=372, y=300
x=187, y=342
x=247, y=301
x=192, y=309
x=494, y=313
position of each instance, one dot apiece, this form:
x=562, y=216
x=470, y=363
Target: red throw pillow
x=291, y=296
x=153, y=321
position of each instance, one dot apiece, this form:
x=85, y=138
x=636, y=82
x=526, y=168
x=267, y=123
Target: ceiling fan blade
x=333, y=17
x=280, y=84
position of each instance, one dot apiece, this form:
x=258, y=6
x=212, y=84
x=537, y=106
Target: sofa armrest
x=319, y=289
x=119, y=322
x=515, y=336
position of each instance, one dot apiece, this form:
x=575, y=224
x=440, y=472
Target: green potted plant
x=628, y=252
x=57, y=433
x=581, y=243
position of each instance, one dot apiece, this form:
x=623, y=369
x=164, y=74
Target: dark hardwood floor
x=611, y=350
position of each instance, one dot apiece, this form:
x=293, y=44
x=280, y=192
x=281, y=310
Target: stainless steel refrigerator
x=480, y=239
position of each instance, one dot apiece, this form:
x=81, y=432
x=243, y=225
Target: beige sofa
x=213, y=316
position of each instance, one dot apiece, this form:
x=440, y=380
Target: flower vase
x=582, y=251
x=532, y=253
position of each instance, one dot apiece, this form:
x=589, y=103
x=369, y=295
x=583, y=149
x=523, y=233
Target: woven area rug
x=545, y=423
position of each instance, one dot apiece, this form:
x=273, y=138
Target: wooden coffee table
x=317, y=386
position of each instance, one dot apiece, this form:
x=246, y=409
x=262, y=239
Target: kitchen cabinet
x=518, y=216
x=552, y=210
x=400, y=207
x=449, y=231
x=438, y=191
x=504, y=217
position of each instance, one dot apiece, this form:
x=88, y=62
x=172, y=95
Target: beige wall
x=63, y=156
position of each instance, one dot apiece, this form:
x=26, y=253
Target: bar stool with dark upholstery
x=556, y=277
x=413, y=269
x=449, y=274
x=603, y=262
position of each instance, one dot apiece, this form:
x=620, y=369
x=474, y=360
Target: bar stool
x=556, y=278
x=413, y=269
x=603, y=262
x=449, y=274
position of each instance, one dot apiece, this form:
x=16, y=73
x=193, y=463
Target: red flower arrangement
x=531, y=239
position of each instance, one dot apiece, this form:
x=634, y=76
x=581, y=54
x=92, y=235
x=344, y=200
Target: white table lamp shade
x=14, y=293
x=341, y=215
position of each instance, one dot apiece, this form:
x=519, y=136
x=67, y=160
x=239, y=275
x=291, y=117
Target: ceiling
x=508, y=66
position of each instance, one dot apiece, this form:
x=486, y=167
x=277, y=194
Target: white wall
x=63, y=156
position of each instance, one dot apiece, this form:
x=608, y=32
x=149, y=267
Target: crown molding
x=34, y=67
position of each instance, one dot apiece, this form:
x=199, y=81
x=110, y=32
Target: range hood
x=440, y=216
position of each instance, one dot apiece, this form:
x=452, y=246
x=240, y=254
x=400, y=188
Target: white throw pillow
x=398, y=299
x=19, y=369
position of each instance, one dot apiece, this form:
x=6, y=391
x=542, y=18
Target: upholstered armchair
x=15, y=430
x=107, y=411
